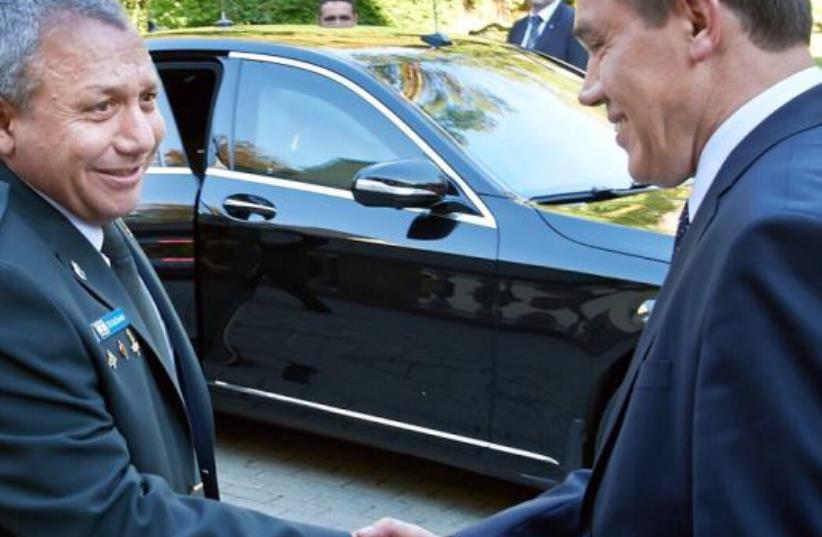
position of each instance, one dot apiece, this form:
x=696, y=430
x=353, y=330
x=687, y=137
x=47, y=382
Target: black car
x=435, y=250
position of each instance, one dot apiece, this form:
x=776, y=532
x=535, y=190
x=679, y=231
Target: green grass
x=816, y=47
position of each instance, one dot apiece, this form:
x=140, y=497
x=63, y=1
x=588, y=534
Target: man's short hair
x=352, y=2
x=771, y=24
x=22, y=25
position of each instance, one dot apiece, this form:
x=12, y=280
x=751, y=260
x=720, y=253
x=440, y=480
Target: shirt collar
x=92, y=233
x=734, y=129
x=548, y=11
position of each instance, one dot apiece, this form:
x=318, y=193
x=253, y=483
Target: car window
x=299, y=125
x=171, y=152
x=517, y=114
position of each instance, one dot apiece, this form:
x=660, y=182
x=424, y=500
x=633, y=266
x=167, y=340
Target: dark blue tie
x=682, y=227
x=533, y=31
x=122, y=263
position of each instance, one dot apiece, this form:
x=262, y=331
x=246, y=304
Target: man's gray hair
x=22, y=25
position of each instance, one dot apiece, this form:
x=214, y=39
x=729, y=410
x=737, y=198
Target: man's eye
x=148, y=97
x=101, y=107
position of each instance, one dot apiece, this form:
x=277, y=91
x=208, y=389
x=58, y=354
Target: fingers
x=389, y=527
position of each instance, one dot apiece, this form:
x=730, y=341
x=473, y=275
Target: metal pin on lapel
x=78, y=270
x=112, y=360
x=122, y=348
x=135, y=347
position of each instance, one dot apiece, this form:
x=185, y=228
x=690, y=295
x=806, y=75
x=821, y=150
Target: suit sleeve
x=64, y=468
x=556, y=513
x=757, y=452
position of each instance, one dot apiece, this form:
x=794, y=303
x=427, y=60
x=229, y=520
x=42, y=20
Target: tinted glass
x=171, y=152
x=515, y=113
x=296, y=124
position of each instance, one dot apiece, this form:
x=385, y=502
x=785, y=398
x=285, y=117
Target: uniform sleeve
x=64, y=468
x=757, y=451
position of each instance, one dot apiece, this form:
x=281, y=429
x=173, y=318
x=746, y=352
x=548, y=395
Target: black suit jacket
x=716, y=429
x=98, y=435
x=557, y=39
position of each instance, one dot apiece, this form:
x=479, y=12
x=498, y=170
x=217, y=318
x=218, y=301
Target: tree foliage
x=418, y=15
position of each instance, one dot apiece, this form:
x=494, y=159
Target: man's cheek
x=159, y=128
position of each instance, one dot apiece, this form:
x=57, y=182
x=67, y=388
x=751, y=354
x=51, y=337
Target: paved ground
x=314, y=479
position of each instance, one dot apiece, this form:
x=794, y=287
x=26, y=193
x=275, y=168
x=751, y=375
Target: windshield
x=517, y=114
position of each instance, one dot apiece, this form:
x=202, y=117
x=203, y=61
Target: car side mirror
x=399, y=184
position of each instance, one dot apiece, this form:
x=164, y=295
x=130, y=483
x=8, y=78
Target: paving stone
x=316, y=480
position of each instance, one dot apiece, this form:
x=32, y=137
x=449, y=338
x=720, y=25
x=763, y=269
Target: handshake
x=389, y=527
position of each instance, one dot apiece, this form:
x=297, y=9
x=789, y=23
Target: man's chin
x=646, y=175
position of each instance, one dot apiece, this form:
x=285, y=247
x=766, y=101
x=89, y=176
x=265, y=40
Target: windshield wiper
x=595, y=194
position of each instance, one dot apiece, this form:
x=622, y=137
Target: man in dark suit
x=715, y=430
x=105, y=422
x=548, y=28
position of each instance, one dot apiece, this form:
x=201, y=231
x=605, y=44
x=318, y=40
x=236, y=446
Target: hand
x=390, y=527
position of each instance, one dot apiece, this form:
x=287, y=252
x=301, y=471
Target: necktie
x=122, y=263
x=533, y=31
x=682, y=227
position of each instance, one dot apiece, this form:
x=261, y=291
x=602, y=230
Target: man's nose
x=591, y=93
x=136, y=134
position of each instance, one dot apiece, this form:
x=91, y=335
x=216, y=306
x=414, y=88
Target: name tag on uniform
x=109, y=324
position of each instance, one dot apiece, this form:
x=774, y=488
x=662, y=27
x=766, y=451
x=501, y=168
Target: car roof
x=343, y=51
x=272, y=39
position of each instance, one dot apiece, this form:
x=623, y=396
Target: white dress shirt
x=740, y=124
x=545, y=15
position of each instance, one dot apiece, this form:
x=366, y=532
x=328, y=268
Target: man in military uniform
x=105, y=422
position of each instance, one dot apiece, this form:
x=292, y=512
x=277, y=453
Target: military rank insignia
x=112, y=359
x=135, y=346
x=121, y=348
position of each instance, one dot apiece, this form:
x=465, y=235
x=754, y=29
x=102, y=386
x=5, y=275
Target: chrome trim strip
x=381, y=188
x=328, y=191
x=383, y=421
x=170, y=170
x=486, y=217
x=281, y=183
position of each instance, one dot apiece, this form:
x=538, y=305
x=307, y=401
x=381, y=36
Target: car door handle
x=243, y=206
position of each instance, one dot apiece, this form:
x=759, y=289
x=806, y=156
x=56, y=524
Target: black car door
x=163, y=221
x=375, y=316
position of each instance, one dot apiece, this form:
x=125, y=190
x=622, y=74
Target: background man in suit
x=336, y=13
x=715, y=430
x=548, y=28
x=105, y=422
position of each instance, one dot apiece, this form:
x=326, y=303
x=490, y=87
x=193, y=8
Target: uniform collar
x=92, y=233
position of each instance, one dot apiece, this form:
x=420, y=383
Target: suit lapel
x=194, y=390
x=550, y=32
x=79, y=257
x=92, y=273
x=518, y=31
x=802, y=113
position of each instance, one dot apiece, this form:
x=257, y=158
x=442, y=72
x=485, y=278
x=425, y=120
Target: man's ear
x=7, y=114
x=706, y=24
